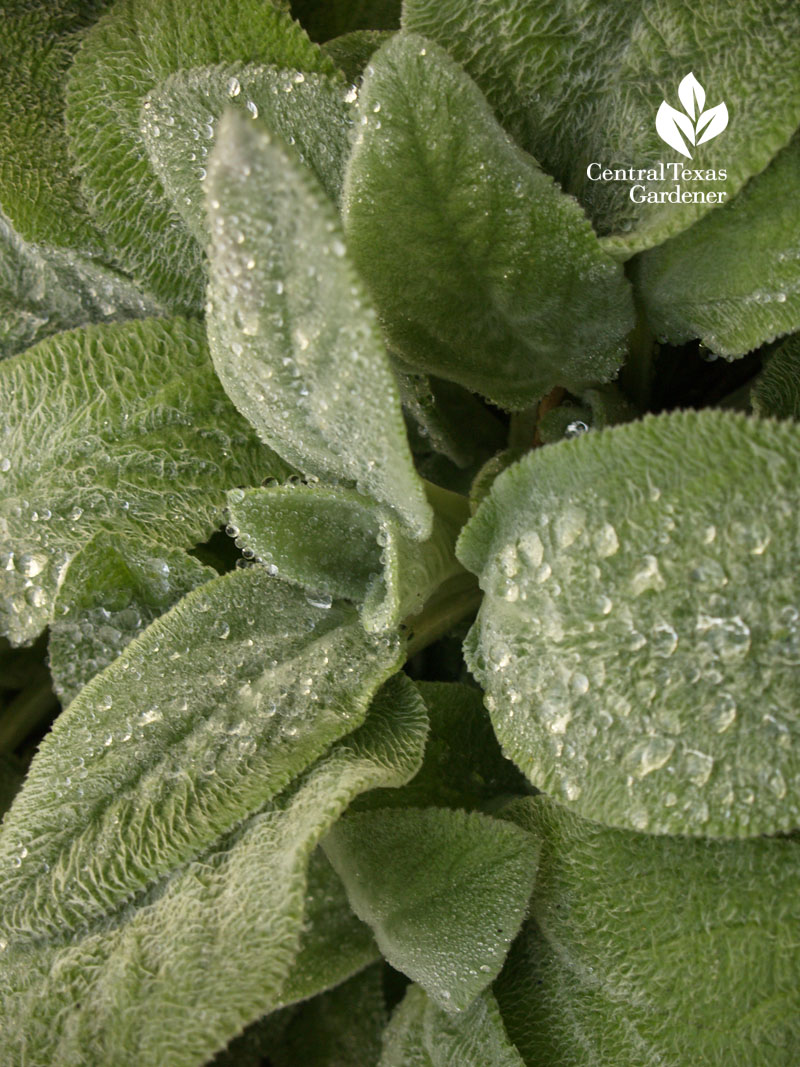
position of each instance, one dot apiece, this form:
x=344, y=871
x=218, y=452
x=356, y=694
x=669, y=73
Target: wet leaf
x=113, y=589
x=310, y=111
x=121, y=428
x=126, y=54
x=293, y=338
x=221, y=930
x=654, y=950
x=640, y=634
x=444, y=891
x=776, y=391
x=580, y=82
x=732, y=279
x=483, y=271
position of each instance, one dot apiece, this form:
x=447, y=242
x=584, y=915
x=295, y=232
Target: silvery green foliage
x=568, y=81
x=114, y=587
x=293, y=337
x=633, y=937
x=312, y=112
x=247, y=835
x=732, y=279
x=421, y=1034
x=205, y=716
x=449, y=930
x=121, y=428
x=44, y=290
x=640, y=633
x=126, y=54
x=337, y=543
x=221, y=929
x=437, y=190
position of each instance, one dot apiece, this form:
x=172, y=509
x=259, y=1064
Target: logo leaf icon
x=692, y=95
x=672, y=126
x=715, y=120
x=670, y=123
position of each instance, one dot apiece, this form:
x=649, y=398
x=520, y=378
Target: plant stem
x=456, y=599
x=29, y=710
x=636, y=377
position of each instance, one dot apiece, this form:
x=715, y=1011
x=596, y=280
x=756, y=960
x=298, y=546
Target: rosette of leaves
x=399, y=535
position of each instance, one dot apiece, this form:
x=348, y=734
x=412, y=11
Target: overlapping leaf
x=640, y=635
x=38, y=190
x=581, y=82
x=422, y=1035
x=732, y=279
x=129, y=52
x=44, y=290
x=119, y=428
x=444, y=891
x=160, y=754
x=114, y=587
x=293, y=338
x=654, y=950
x=337, y=543
x=483, y=271
x=221, y=931
x=776, y=391
x=310, y=111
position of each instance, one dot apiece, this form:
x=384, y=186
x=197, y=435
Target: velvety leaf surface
x=38, y=191
x=482, y=270
x=221, y=931
x=732, y=279
x=179, y=118
x=444, y=891
x=337, y=543
x=204, y=717
x=645, y=950
x=114, y=587
x=293, y=338
x=119, y=428
x=776, y=391
x=341, y=1028
x=463, y=765
x=422, y=1035
x=128, y=52
x=582, y=81
x=640, y=634
x=44, y=290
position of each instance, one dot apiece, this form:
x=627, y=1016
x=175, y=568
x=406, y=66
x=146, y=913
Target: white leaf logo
x=692, y=126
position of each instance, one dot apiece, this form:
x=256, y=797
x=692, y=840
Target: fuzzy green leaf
x=309, y=111
x=776, y=391
x=130, y=51
x=654, y=950
x=38, y=191
x=581, y=81
x=341, y=1028
x=483, y=271
x=337, y=543
x=732, y=279
x=463, y=765
x=444, y=891
x=293, y=339
x=422, y=1035
x=114, y=587
x=352, y=51
x=204, y=717
x=222, y=931
x=640, y=635
x=44, y=290
x=119, y=428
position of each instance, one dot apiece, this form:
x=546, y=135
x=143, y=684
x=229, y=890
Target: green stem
x=457, y=599
x=636, y=377
x=28, y=711
x=522, y=428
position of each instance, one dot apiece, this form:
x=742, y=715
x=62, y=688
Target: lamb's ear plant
x=400, y=533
